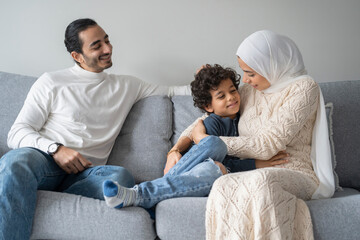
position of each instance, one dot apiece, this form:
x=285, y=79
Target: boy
x=214, y=90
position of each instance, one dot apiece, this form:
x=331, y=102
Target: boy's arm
x=174, y=155
x=213, y=126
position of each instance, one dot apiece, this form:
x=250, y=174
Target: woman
x=282, y=109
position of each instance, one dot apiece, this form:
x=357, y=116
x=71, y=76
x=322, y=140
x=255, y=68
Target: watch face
x=53, y=147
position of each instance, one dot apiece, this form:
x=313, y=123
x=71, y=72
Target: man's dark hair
x=209, y=78
x=72, y=40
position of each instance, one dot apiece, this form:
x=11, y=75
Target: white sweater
x=82, y=110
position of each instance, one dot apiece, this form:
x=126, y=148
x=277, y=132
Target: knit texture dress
x=268, y=203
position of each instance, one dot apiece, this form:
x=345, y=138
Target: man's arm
x=147, y=89
x=32, y=117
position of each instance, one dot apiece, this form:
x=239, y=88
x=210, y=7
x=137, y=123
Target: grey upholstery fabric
x=68, y=216
x=144, y=140
x=184, y=113
x=337, y=217
x=345, y=97
x=14, y=89
x=181, y=218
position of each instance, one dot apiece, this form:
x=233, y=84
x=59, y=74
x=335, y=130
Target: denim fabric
x=192, y=176
x=24, y=171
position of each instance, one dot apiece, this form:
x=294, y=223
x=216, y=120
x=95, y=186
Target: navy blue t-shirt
x=219, y=126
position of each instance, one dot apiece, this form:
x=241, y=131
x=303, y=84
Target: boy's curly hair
x=209, y=78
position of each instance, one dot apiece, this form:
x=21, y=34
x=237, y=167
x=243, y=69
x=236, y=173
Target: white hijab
x=277, y=58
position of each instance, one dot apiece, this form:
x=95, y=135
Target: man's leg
x=22, y=172
x=89, y=182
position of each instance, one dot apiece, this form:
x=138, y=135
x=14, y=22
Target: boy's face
x=225, y=100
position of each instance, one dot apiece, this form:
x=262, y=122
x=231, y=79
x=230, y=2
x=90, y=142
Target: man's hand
x=279, y=159
x=172, y=159
x=199, y=132
x=70, y=160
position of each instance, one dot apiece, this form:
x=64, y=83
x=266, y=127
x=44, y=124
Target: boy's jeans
x=24, y=171
x=192, y=176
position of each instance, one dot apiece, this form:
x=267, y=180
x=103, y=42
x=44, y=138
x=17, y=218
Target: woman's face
x=253, y=78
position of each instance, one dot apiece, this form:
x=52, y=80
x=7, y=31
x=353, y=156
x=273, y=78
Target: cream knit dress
x=267, y=203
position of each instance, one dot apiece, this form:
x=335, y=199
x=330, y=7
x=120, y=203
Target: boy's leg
x=89, y=182
x=210, y=147
x=195, y=183
x=22, y=172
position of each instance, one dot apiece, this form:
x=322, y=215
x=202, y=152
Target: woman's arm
x=275, y=134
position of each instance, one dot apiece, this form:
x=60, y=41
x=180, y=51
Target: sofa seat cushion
x=181, y=218
x=184, y=218
x=337, y=217
x=69, y=216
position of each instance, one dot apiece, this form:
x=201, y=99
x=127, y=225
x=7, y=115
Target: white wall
x=164, y=41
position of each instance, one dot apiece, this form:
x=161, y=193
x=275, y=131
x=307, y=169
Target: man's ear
x=77, y=57
x=209, y=108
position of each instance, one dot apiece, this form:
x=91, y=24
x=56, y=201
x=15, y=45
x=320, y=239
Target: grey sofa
x=151, y=128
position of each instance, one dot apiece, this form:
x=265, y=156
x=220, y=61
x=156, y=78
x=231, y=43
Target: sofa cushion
x=329, y=108
x=330, y=217
x=346, y=132
x=181, y=218
x=69, y=216
x=144, y=140
x=184, y=114
x=14, y=89
x=337, y=217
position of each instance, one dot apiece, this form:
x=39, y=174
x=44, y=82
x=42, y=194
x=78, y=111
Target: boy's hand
x=172, y=159
x=279, y=159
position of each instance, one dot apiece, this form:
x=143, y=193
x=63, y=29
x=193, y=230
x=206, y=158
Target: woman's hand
x=279, y=159
x=199, y=132
x=172, y=158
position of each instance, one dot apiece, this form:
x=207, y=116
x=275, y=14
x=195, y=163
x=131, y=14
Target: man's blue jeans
x=24, y=171
x=192, y=176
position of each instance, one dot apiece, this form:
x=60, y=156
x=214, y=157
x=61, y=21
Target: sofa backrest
x=144, y=139
x=345, y=96
x=14, y=89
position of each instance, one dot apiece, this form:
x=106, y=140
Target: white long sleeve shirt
x=80, y=109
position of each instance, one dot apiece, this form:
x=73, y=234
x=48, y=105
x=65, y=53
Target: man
x=66, y=129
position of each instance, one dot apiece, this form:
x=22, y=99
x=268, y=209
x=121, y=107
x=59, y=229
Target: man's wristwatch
x=53, y=148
